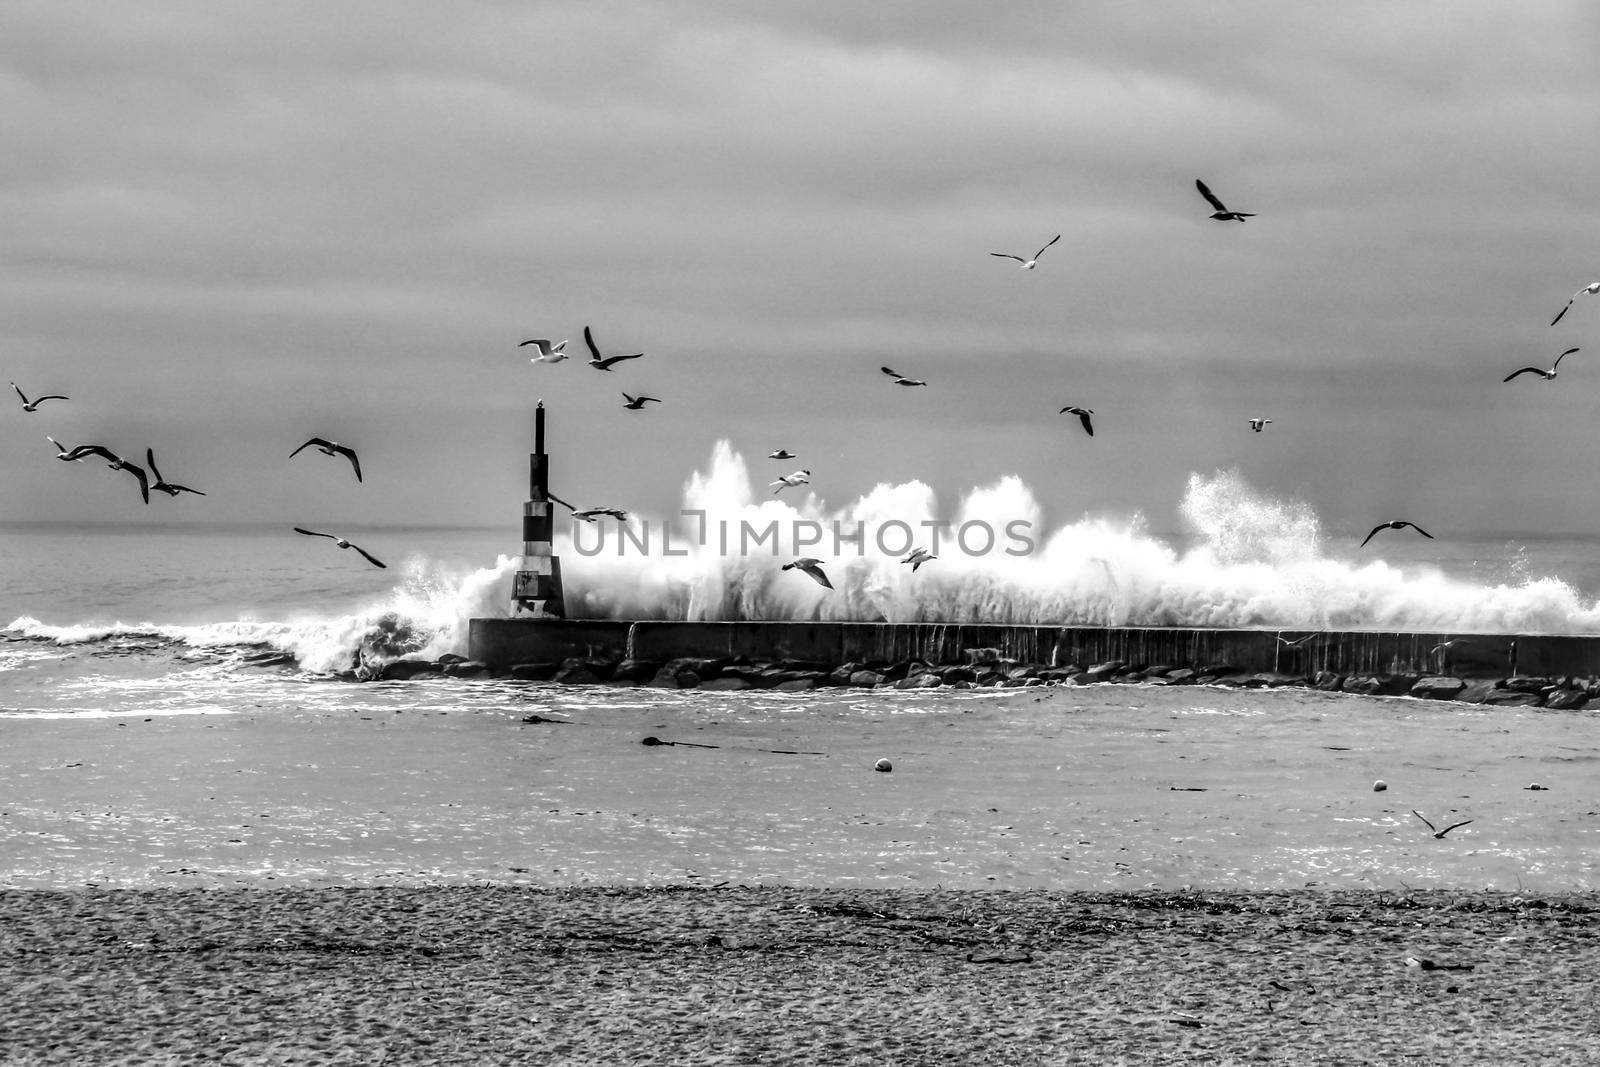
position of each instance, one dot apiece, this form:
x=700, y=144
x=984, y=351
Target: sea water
x=168, y=705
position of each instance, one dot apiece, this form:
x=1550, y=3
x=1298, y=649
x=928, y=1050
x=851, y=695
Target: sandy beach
x=1113, y=874
x=746, y=975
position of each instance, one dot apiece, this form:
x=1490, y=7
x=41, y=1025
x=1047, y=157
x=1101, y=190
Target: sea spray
x=425, y=615
x=1254, y=561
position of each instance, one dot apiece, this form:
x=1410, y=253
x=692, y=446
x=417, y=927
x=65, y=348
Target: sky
x=226, y=227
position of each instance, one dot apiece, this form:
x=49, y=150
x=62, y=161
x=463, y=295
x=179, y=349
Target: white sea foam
x=1255, y=561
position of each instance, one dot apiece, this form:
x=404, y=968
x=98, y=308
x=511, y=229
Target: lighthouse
x=536, y=590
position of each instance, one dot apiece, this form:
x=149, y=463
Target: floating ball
x=883, y=765
x=1379, y=786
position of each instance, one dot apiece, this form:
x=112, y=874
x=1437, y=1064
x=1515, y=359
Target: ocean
x=168, y=715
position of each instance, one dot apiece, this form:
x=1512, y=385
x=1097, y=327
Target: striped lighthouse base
x=536, y=590
x=536, y=587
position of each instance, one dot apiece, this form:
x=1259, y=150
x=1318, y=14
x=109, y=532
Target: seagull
x=161, y=485
x=548, y=353
x=1298, y=642
x=62, y=452
x=116, y=463
x=918, y=557
x=342, y=543
x=332, y=448
x=800, y=477
x=636, y=403
x=1545, y=374
x=813, y=567
x=1028, y=264
x=1396, y=525
x=1083, y=417
x=1222, y=214
x=1437, y=833
x=782, y=453
x=1257, y=424
x=1444, y=648
x=602, y=364
x=590, y=514
x=901, y=379
x=1588, y=290
x=33, y=405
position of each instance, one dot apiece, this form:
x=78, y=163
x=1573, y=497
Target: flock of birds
x=555, y=353
x=150, y=478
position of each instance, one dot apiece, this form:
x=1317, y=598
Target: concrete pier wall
x=502, y=643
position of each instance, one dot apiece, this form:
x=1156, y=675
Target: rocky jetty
x=984, y=668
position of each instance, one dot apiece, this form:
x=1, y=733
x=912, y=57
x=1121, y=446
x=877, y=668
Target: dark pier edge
x=502, y=643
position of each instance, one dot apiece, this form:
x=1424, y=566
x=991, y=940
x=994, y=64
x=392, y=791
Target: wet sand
x=1095, y=788
x=416, y=880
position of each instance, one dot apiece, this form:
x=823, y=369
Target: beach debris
x=883, y=765
x=1380, y=786
x=1437, y=833
x=1420, y=963
x=653, y=741
x=536, y=718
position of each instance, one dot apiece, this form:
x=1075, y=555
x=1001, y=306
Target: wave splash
x=1254, y=561
x=425, y=616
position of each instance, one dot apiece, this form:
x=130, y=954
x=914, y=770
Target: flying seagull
x=1222, y=214
x=1437, y=833
x=1588, y=290
x=800, y=477
x=114, y=462
x=598, y=363
x=1083, y=417
x=781, y=453
x=548, y=353
x=901, y=379
x=1028, y=264
x=918, y=557
x=1545, y=374
x=1396, y=525
x=591, y=514
x=161, y=485
x=62, y=452
x=636, y=403
x=342, y=543
x=1298, y=642
x=33, y=405
x=1257, y=424
x=812, y=567
x=332, y=448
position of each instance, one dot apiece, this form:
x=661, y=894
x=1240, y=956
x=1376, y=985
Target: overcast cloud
x=226, y=227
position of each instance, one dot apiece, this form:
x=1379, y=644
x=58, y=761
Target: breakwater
x=1549, y=670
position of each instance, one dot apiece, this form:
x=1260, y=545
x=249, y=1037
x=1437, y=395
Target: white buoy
x=1379, y=786
x=883, y=765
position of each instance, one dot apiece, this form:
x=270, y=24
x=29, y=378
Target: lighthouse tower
x=536, y=590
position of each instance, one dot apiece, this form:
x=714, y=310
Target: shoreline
x=681, y=974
